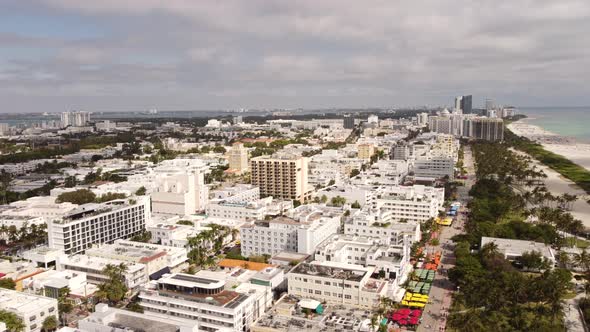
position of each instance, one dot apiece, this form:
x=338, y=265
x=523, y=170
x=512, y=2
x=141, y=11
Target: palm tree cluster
x=114, y=289
x=205, y=245
x=28, y=236
x=494, y=296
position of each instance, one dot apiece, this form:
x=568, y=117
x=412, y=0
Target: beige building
x=281, y=176
x=365, y=151
x=238, y=158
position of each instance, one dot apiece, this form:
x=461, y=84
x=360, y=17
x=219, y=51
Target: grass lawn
x=582, y=244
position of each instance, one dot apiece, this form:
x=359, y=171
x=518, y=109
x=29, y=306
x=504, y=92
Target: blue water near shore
x=566, y=121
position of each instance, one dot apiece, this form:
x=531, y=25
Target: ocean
x=566, y=121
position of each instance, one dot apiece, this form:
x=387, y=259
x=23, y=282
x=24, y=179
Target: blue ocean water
x=566, y=121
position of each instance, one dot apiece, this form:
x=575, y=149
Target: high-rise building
x=348, y=122
x=74, y=119
x=489, y=129
x=423, y=119
x=282, y=176
x=238, y=158
x=489, y=105
x=4, y=128
x=466, y=104
x=237, y=119
x=458, y=101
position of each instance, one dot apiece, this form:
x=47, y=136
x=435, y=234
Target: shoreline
x=576, y=152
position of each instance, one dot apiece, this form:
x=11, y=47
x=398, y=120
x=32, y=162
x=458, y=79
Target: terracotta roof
x=254, y=266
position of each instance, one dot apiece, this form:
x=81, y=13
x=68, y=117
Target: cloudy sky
x=57, y=55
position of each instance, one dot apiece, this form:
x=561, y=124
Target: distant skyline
x=115, y=55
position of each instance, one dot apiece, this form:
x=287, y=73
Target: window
x=319, y=292
x=348, y=297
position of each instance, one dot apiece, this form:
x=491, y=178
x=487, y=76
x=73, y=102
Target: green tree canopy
x=81, y=196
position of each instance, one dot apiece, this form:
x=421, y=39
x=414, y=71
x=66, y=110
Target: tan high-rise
x=238, y=158
x=281, y=176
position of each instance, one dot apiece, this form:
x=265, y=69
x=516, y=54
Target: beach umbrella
x=414, y=321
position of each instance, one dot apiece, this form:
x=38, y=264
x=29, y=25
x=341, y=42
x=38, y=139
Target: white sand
x=567, y=147
x=576, y=152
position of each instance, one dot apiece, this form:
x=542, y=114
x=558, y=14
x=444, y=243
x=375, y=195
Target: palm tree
x=49, y=324
x=12, y=321
x=564, y=259
x=582, y=260
x=489, y=250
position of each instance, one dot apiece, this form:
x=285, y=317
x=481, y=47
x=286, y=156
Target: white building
x=108, y=319
x=31, y=309
x=390, y=261
x=51, y=282
x=288, y=234
x=337, y=283
x=74, y=119
x=98, y=223
x=158, y=259
x=247, y=211
x=181, y=188
x=414, y=204
x=135, y=275
x=513, y=249
x=434, y=167
x=382, y=225
x=199, y=299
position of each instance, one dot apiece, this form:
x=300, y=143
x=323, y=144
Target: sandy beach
x=567, y=147
x=577, y=152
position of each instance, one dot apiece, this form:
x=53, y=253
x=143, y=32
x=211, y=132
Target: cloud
x=262, y=53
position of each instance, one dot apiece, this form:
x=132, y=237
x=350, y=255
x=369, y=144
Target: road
x=435, y=313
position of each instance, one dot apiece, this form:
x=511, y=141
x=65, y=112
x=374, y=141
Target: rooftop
x=20, y=302
x=334, y=270
x=255, y=266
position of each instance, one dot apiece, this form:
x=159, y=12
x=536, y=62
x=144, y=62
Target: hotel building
x=281, y=176
x=98, y=223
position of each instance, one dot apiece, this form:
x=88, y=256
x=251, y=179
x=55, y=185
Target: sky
x=117, y=55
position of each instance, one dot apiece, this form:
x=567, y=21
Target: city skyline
x=61, y=55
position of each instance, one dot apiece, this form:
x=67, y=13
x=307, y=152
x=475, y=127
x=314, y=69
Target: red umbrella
x=414, y=320
x=403, y=322
x=416, y=312
x=405, y=311
x=397, y=317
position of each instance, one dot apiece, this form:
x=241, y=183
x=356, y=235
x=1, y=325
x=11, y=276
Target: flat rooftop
x=511, y=247
x=20, y=302
x=332, y=270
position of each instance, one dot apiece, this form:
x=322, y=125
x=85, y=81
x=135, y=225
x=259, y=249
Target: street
x=435, y=314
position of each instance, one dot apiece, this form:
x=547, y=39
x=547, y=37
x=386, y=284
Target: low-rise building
x=31, y=309
x=135, y=275
x=301, y=232
x=108, y=319
x=414, y=204
x=199, y=299
x=158, y=259
x=382, y=225
x=513, y=249
x=337, y=283
x=390, y=261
